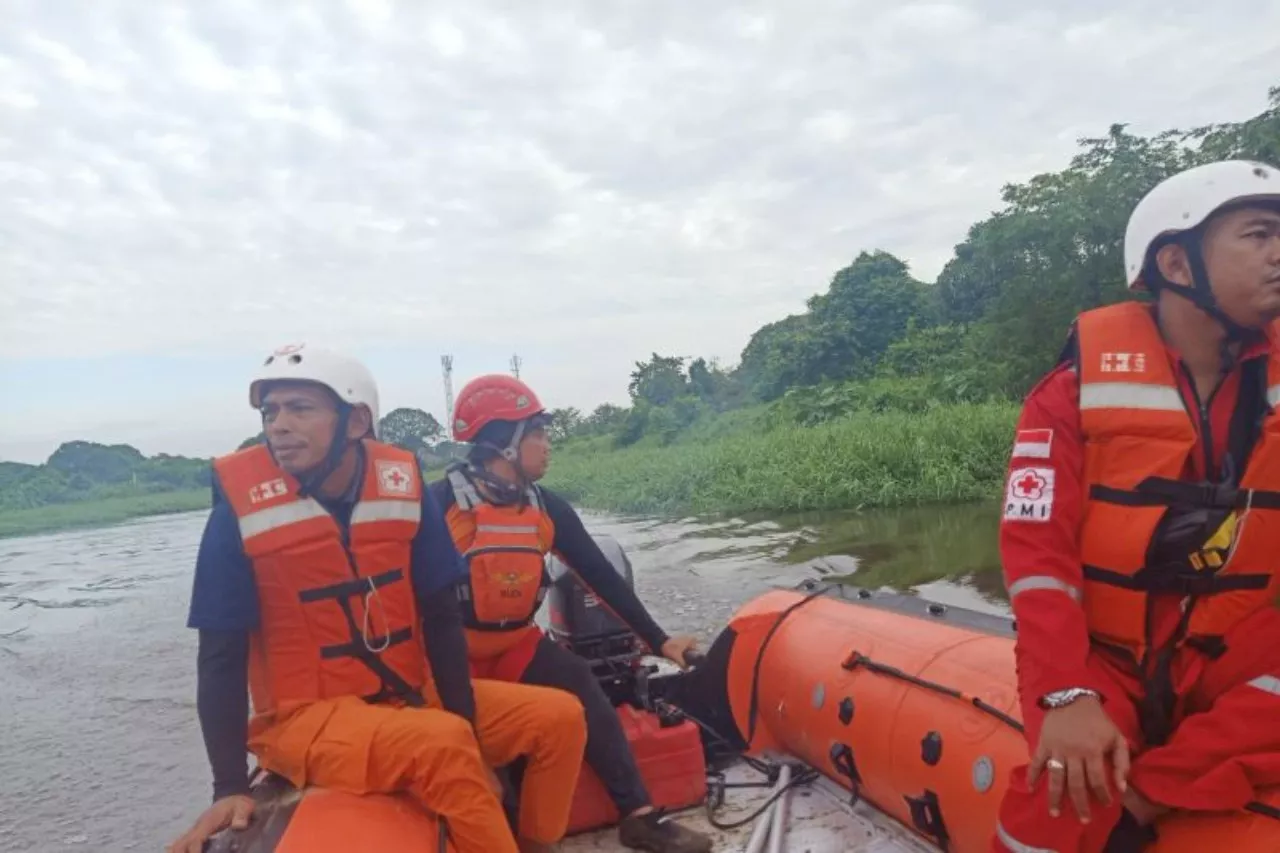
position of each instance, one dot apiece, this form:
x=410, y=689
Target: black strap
x=842, y=760
x=1160, y=491
x=1168, y=579
x=926, y=814
x=1252, y=409
x=394, y=686
x=351, y=588
x=1264, y=810
x=442, y=837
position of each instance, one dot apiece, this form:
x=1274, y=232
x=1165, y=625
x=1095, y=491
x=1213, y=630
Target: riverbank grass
x=944, y=455
x=95, y=513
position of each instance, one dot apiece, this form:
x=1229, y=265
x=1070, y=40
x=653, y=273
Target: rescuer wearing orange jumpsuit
x=504, y=525
x=1141, y=530
x=324, y=570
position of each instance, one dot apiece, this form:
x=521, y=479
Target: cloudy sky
x=187, y=185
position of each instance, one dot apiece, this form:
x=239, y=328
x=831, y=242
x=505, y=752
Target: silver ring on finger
x=1055, y=764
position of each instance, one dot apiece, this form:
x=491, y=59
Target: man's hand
x=1075, y=742
x=234, y=811
x=675, y=649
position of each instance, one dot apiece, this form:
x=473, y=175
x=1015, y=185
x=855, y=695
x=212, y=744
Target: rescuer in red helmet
x=504, y=525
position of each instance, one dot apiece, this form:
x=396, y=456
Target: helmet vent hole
x=295, y=359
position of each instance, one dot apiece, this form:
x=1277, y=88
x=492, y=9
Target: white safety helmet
x=1185, y=200
x=342, y=374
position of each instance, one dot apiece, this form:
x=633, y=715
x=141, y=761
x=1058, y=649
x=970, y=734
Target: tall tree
x=412, y=429
x=658, y=381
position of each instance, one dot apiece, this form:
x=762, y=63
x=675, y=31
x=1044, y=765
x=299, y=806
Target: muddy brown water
x=101, y=747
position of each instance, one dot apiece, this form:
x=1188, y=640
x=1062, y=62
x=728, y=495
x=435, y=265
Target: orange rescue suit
x=1138, y=437
x=339, y=655
x=339, y=617
x=505, y=550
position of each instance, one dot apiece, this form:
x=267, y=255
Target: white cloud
x=617, y=178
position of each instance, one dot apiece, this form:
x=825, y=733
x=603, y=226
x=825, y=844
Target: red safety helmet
x=489, y=398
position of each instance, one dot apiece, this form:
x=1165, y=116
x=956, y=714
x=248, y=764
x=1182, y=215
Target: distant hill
x=86, y=470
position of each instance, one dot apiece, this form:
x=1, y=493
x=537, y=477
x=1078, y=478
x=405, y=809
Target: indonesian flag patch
x=1032, y=444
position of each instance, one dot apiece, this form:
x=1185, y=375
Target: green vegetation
x=888, y=390
x=868, y=459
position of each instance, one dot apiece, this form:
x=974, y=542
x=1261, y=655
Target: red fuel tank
x=671, y=763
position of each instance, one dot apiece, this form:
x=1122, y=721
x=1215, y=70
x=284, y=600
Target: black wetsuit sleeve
x=447, y=651
x=585, y=559
x=222, y=703
x=437, y=568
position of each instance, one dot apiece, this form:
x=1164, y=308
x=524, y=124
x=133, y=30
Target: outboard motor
x=668, y=749
x=581, y=622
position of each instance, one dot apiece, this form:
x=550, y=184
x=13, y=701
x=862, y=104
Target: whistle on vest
x=1216, y=550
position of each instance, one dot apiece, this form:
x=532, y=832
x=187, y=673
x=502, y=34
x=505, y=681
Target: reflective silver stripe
x=273, y=518
x=1130, y=395
x=506, y=528
x=1042, y=582
x=1017, y=846
x=1273, y=395
x=366, y=511
x=1267, y=683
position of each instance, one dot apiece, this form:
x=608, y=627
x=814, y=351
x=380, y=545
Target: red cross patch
x=1029, y=495
x=394, y=478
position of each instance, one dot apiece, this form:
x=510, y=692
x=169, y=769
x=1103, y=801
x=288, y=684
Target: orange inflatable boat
x=889, y=723
x=909, y=704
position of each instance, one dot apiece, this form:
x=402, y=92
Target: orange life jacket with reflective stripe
x=338, y=612
x=1138, y=436
x=505, y=550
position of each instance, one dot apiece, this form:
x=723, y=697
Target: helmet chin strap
x=1200, y=293
x=502, y=491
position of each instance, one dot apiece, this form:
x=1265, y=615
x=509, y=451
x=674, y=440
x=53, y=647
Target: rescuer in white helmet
x=1141, y=529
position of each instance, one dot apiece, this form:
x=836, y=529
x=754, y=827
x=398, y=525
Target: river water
x=101, y=748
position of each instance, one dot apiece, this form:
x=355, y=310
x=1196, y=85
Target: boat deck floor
x=820, y=820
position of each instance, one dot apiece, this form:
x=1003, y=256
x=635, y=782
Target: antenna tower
x=446, y=361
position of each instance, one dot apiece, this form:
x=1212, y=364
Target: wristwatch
x=1063, y=698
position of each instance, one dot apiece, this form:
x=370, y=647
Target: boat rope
x=754, y=712
x=857, y=659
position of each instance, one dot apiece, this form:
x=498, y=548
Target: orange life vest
x=338, y=612
x=1138, y=435
x=505, y=550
